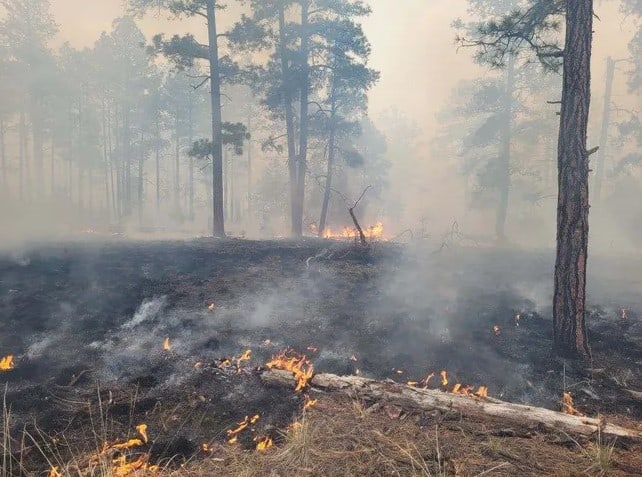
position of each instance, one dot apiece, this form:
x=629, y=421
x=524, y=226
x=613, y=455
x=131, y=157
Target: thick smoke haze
x=414, y=49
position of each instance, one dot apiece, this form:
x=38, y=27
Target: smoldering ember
x=320, y=238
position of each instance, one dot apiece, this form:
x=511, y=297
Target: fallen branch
x=411, y=398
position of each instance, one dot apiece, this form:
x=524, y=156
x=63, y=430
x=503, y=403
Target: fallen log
x=411, y=398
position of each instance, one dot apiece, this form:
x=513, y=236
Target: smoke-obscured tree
x=184, y=52
x=344, y=100
x=25, y=32
x=296, y=34
x=531, y=27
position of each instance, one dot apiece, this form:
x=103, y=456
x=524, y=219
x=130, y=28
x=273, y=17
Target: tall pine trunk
x=304, y=120
x=331, y=157
x=218, y=219
x=505, y=153
x=569, y=326
x=604, y=133
x=289, y=118
x=190, y=126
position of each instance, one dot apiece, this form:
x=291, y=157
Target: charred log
x=411, y=398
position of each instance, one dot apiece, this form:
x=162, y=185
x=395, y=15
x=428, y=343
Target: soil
x=86, y=323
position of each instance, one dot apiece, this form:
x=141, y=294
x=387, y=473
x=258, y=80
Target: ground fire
x=301, y=368
x=568, y=406
x=372, y=233
x=7, y=363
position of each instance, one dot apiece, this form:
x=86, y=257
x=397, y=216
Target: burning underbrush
x=100, y=340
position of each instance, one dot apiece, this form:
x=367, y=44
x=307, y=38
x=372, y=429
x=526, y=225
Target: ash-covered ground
x=86, y=324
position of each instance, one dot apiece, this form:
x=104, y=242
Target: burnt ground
x=86, y=323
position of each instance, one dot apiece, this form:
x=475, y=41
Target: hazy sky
x=413, y=46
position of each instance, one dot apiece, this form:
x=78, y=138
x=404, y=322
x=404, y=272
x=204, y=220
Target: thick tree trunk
x=604, y=134
x=414, y=399
x=218, y=220
x=289, y=119
x=505, y=153
x=304, y=120
x=569, y=328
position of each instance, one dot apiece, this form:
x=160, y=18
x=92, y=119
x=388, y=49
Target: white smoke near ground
x=148, y=310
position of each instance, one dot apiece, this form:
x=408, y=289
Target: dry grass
x=341, y=437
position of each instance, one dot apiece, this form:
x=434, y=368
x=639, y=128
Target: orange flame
x=211, y=307
x=53, y=472
x=7, y=363
x=166, y=345
x=232, y=434
x=444, y=378
x=123, y=468
x=309, y=402
x=246, y=356
x=374, y=232
x=482, y=392
x=312, y=349
x=567, y=405
x=496, y=330
x=624, y=312
x=263, y=443
x=298, y=365
x=517, y=318
x=142, y=430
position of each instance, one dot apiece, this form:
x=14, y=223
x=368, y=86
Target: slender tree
x=531, y=26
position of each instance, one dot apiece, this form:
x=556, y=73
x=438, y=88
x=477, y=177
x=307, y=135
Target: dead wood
x=410, y=398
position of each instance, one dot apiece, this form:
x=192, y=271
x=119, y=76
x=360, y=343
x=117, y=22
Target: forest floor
x=108, y=335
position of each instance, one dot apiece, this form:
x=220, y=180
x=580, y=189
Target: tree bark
x=22, y=139
x=331, y=156
x=304, y=120
x=569, y=326
x=411, y=398
x=505, y=153
x=604, y=133
x=218, y=219
x=289, y=119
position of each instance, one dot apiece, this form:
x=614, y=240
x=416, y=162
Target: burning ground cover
x=100, y=338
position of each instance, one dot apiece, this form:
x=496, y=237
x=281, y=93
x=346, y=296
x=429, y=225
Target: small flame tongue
x=568, y=406
x=6, y=363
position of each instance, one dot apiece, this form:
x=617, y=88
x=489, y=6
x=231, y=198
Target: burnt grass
x=86, y=323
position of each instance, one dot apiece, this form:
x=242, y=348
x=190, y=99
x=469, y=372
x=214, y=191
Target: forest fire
x=6, y=363
x=263, y=443
x=232, y=434
x=568, y=406
x=373, y=232
x=298, y=365
x=167, y=345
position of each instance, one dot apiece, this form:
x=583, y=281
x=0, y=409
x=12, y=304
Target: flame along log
x=411, y=398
